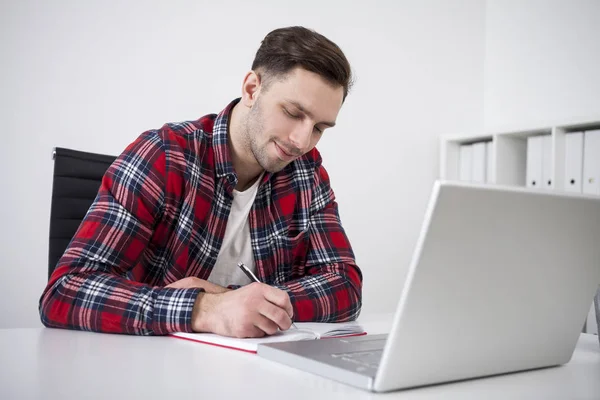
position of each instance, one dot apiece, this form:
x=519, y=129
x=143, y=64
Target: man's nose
x=300, y=138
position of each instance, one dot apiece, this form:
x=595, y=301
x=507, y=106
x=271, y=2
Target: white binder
x=534, y=162
x=547, y=162
x=573, y=161
x=479, y=165
x=591, y=162
x=465, y=161
x=490, y=163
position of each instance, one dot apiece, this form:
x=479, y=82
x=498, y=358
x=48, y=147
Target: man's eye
x=289, y=114
x=318, y=130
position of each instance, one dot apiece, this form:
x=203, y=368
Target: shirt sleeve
x=331, y=290
x=92, y=287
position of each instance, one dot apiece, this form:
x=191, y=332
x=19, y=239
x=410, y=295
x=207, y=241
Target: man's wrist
x=201, y=312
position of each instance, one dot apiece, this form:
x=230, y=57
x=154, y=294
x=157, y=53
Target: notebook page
x=249, y=344
x=322, y=329
x=304, y=331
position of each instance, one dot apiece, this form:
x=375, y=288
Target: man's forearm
x=103, y=302
x=327, y=296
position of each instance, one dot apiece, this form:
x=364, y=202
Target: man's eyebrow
x=305, y=111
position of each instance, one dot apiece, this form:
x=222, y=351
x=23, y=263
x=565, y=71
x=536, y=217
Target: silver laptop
x=501, y=280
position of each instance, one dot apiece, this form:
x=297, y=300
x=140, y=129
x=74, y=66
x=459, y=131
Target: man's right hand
x=254, y=310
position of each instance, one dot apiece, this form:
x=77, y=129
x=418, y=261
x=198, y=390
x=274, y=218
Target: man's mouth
x=284, y=154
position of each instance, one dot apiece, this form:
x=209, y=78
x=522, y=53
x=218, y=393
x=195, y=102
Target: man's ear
x=250, y=88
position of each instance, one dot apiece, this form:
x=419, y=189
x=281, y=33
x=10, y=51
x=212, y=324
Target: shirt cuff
x=173, y=310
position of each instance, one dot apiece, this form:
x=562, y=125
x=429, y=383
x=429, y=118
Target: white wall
x=542, y=59
x=93, y=75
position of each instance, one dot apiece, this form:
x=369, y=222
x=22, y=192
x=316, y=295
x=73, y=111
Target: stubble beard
x=253, y=127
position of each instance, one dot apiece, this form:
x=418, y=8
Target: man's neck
x=244, y=163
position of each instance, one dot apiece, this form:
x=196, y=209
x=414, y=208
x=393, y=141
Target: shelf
x=509, y=153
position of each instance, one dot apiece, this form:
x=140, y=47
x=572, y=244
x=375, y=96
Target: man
x=182, y=205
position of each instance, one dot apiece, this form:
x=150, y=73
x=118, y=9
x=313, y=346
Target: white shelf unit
x=509, y=151
x=509, y=160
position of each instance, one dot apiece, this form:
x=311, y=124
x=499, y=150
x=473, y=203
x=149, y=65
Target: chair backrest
x=76, y=179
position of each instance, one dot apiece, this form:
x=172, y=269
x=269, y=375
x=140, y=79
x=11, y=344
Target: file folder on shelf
x=465, y=162
x=478, y=171
x=591, y=162
x=573, y=161
x=534, y=162
x=489, y=171
x=547, y=162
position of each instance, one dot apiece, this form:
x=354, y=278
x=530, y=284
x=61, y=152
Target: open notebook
x=304, y=331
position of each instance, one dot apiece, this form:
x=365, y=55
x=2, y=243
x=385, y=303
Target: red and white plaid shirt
x=160, y=216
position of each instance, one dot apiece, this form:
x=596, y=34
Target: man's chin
x=274, y=170
x=276, y=166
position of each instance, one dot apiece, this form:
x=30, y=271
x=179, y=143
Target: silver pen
x=253, y=278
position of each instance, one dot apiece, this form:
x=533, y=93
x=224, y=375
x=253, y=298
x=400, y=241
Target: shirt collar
x=223, y=161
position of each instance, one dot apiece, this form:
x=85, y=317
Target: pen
x=253, y=278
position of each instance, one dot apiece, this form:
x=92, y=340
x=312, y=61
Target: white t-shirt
x=236, y=245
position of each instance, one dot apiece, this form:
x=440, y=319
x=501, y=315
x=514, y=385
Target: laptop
x=501, y=280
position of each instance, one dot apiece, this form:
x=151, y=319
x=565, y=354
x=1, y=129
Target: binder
x=465, y=161
x=547, y=162
x=591, y=162
x=573, y=161
x=534, y=162
x=479, y=165
x=489, y=178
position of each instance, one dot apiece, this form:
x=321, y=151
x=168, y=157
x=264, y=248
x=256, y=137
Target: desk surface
x=60, y=364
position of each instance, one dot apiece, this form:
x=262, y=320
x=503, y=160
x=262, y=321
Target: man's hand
x=254, y=310
x=193, y=282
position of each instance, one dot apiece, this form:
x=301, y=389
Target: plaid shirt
x=160, y=216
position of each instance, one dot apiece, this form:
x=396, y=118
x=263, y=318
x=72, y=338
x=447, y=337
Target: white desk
x=59, y=364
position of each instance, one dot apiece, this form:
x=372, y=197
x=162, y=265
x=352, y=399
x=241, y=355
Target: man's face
x=288, y=119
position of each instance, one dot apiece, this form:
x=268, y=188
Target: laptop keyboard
x=362, y=360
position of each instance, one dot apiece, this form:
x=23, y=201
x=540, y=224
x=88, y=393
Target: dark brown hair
x=287, y=48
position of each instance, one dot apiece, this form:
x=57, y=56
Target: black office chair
x=77, y=177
